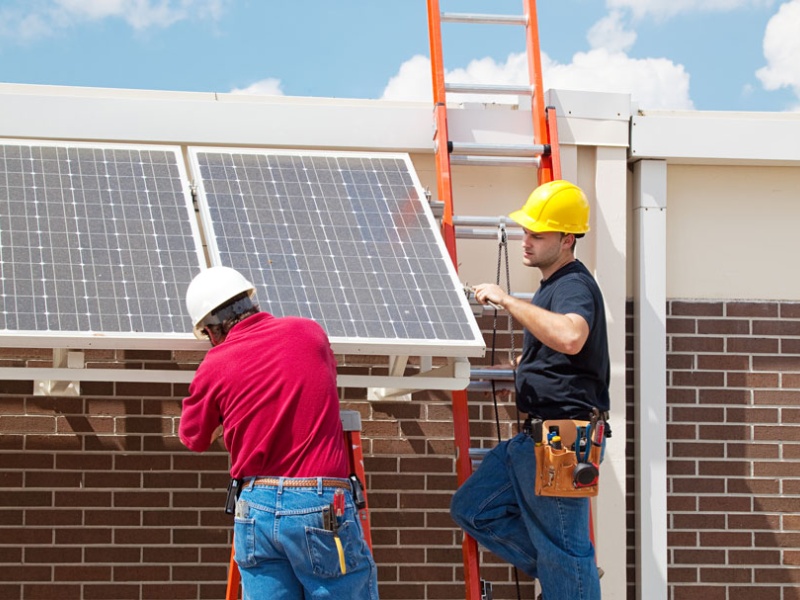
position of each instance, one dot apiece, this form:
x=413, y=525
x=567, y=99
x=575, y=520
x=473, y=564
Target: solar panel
x=95, y=240
x=342, y=238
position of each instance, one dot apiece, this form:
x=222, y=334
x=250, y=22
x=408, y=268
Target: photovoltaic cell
x=345, y=239
x=95, y=240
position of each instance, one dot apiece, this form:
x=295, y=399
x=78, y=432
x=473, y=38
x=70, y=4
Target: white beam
x=452, y=376
x=607, y=239
x=650, y=367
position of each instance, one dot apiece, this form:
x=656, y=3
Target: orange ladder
x=351, y=424
x=542, y=153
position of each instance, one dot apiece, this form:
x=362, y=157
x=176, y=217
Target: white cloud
x=781, y=49
x=412, y=82
x=33, y=19
x=652, y=82
x=265, y=87
x=610, y=33
x=664, y=9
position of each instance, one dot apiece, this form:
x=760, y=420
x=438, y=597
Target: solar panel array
x=342, y=238
x=101, y=241
x=95, y=239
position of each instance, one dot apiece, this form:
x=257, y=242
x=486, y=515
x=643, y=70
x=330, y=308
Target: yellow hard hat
x=555, y=206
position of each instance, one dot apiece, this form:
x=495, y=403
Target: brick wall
x=734, y=450
x=98, y=499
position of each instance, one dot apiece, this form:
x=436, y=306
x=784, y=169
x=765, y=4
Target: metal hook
x=502, y=234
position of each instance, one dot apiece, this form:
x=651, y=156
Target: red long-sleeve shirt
x=272, y=385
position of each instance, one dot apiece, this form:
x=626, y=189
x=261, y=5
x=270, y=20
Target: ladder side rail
x=552, y=128
x=444, y=187
x=234, y=577
x=441, y=135
x=540, y=132
x=469, y=547
x=355, y=459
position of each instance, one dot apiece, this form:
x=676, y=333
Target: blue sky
x=668, y=54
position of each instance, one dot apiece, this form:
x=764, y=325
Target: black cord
x=502, y=251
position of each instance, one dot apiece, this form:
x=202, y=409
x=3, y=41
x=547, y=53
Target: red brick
x=696, y=344
x=81, y=573
x=726, y=326
x=728, y=575
x=781, y=398
x=754, y=557
x=751, y=309
x=779, y=327
x=753, y=380
x=777, y=363
x=753, y=345
x=698, y=378
x=725, y=504
x=699, y=557
x=723, y=362
x=699, y=309
x=790, y=310
x=751, y=592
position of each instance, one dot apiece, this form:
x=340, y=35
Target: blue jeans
x=284, y=553
x=545, y=537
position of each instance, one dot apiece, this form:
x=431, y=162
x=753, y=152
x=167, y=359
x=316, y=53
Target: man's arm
x=563, y=333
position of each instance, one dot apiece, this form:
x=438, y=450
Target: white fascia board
x=217, y=119
x=591, y=118
x=716, y=137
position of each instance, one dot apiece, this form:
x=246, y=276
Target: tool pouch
x=558, y=471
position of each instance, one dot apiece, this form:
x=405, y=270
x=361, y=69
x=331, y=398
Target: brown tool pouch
x=558, y=470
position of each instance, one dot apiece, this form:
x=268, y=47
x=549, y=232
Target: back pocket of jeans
x=244, y=541
x=324, y=554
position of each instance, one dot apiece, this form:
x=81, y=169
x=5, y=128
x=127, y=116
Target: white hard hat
x=212, y=288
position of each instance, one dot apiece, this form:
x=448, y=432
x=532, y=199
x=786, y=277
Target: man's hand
x=490, y=293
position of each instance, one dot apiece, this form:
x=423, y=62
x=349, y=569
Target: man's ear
x=215, y=334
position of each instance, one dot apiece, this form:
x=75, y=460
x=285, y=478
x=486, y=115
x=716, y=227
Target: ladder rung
x=488, y=88
x=496, y=161
x=491, y=374
x=482, y=221
x=486, y=386
x=472, y=233
x=479, y=452
x=461, y=148
x=485, y=19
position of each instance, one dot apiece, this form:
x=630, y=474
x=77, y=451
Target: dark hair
x=237, y=309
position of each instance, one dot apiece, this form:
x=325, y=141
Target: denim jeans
x=284, y=552
x=545, y=537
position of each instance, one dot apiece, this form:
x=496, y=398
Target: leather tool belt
x=568, y=455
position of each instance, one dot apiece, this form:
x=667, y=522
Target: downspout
x=650, y=376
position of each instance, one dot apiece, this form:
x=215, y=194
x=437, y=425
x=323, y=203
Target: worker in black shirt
x=563, y=373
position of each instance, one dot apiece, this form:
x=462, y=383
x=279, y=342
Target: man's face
x=541, y=250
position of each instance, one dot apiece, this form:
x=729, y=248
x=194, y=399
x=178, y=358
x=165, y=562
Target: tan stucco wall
x=732, y=232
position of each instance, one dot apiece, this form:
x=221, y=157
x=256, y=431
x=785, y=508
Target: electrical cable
x=502, y=252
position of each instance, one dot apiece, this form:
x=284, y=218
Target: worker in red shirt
x=268, y=386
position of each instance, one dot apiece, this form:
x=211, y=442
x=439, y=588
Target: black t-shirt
x=552, y=385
